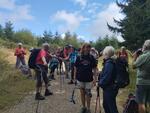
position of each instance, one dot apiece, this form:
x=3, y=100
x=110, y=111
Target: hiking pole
x=98, y=100
x=72, y=97
x=73, y=94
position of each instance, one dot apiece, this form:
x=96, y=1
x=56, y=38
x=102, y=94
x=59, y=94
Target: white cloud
x=93, y=7
x=99, y=24
x=71, y=21
x=7, y=4
x=14, y=12
x=82, y=3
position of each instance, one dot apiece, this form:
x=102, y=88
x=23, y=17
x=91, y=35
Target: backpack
x=24, y=69
x=32, y=58
x=131, y=105
x=122, y=74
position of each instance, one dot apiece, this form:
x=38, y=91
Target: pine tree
x=8, y=31
x=135, y=27
x=1, y=32
x=47, y=37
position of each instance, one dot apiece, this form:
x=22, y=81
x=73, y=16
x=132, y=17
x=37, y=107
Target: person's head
x=123, y=48
x=45, y=46
x=20, y=45
x=92, y=49
x=146, y=46
x=59, y=49
x=86, y=48
x=73, y=49
x=108, y=52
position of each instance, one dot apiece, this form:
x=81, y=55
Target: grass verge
x=13, y=85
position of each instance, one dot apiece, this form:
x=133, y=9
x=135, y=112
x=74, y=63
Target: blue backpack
x=32, y=58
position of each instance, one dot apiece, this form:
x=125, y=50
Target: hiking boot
x=88, y=111
x=83, y=110
x=71, y=82
x=48, y=93
x=38, y=96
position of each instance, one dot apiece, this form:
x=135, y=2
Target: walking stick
x=98, y=102
x=73, y=94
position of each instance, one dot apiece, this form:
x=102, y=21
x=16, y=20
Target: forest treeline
x=134, y=28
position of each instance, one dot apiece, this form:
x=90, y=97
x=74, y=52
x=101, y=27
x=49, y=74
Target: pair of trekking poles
x=98, y=101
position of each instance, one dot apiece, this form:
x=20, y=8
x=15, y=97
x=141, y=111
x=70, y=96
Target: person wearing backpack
x=41, y=70
x=53, y=64
x=142, y=63
x=85, y=73
x=72, y=58
x=107, y=81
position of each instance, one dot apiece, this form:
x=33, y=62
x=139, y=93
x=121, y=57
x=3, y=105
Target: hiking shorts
x=85, y=85
x=143, y=94
x=41, y=75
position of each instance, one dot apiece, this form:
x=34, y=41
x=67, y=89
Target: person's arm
x=94, y=76
x=67, y=57
x=106, y=77
x=44, y=61
x=139, y=62
x=16, y=52
x=43, y=57
x=24, y=51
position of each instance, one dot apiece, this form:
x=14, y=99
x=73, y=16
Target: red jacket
x=20, y=52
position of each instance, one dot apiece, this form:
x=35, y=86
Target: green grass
x=13, y=85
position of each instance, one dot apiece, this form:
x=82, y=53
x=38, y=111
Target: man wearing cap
x=20, y=54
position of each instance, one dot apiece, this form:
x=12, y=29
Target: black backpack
x=131, y=105
x=122, y=74
x=32, y=58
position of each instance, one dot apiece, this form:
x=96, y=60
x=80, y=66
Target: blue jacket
x=107, y=76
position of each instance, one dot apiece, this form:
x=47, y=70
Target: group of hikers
x=82, y=63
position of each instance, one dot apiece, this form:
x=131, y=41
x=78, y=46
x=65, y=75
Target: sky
x=87, y=18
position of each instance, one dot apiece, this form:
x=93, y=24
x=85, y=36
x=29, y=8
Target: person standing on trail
x=123, y=53
x=66, y=52
x=85, y=73
x=142, y=63
x=53, y=65
x=60, y=56
x=72, y=58
x=41, y=71
x=107, y=81
x=20, y=54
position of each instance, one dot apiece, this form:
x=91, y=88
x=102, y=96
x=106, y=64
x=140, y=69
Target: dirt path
x=58, y=103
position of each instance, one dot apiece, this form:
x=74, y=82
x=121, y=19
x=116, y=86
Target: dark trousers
x=109, y=100
x=53, y=70
x=41, y=75
x=72, y=71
